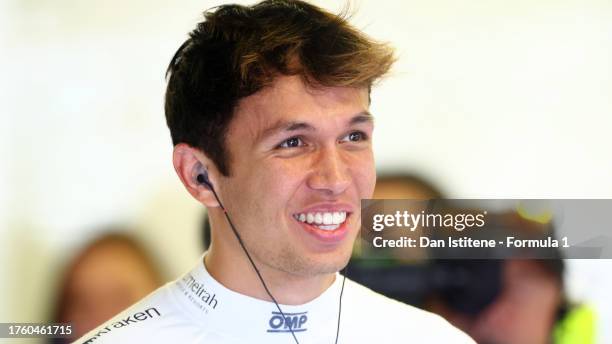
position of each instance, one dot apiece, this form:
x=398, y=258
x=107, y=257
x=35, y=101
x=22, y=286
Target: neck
x=233, y=270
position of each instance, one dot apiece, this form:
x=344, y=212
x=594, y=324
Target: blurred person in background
x=108, y=275
x=403, y=274
x=496, y=301
x=528, y=304
x=400, y=185
x=520, y=299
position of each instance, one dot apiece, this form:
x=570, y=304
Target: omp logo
x=291, y=321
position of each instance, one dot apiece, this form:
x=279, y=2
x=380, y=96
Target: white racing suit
x=197, y=309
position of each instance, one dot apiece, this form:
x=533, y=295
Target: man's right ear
x=190, y=165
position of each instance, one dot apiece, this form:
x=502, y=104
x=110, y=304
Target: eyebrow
x=362, y=117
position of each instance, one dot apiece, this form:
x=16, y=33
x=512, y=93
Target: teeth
x=329, y=227
x=327, y=218
x=339, y=217
x=309, y=218
x=323, y=220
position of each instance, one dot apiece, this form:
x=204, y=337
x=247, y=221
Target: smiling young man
x=267, y=106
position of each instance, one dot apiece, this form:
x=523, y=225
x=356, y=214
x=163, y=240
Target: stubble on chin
x=303, y=266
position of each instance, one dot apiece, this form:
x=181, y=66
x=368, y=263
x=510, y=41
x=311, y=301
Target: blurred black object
x=467, y=286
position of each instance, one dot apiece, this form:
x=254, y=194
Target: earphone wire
x=252, y=262
x=261, y=278
x=340, y=303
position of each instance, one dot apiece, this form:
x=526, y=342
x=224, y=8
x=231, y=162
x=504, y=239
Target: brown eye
x=355, y=136
x=292, y=143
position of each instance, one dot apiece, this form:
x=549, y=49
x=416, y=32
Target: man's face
x=301, y=161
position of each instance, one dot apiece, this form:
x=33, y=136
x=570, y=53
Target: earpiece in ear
x=202, y=177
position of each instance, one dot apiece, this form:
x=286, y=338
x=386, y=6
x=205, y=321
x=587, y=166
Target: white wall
x=491, y=98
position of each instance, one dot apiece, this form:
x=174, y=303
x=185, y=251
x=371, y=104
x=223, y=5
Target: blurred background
x=489, y=99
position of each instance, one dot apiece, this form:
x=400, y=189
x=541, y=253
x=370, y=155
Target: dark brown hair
x=237, y=50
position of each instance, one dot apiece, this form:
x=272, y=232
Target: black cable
x=261, y=278
x=340, y=303
x=252, y=262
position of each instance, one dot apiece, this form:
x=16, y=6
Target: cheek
x=364, y=174
x=279, y=181
x=287, y=178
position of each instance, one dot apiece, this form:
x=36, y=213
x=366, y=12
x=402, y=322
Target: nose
x=330, y=172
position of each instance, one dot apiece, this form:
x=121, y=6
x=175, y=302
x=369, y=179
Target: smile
x=327, y=221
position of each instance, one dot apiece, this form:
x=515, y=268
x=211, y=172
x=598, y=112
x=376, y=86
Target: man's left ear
x=190, y=165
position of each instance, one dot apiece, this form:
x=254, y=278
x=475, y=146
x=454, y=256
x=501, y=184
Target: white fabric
x=198, y=309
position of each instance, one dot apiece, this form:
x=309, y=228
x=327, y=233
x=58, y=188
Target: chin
x=327, y=264
x=306, y=261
